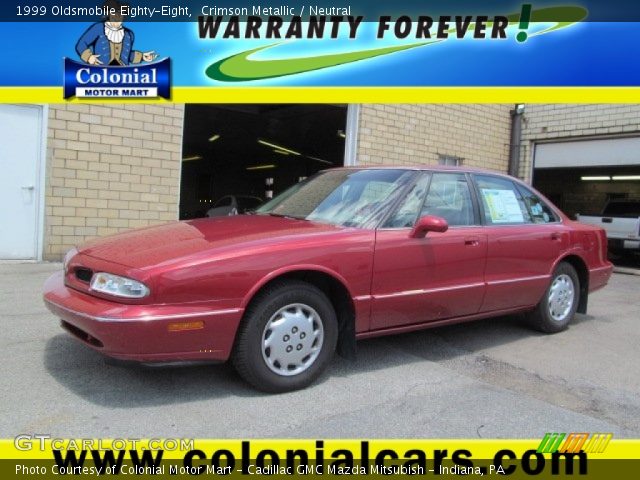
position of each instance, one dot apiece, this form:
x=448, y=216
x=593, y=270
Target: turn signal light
x=182, y=326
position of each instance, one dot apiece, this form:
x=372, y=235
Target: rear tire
x=287, y=338
x=559, y=303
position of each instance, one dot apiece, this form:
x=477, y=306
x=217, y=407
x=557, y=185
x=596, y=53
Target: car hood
x=151, y=246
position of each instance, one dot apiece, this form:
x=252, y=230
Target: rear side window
x=501, y=201
x=622, y=209
x=449, y=197
x=539, y=211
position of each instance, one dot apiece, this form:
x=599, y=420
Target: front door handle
x=28, y=187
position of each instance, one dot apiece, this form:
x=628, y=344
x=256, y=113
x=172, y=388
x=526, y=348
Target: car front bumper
x=144, y=333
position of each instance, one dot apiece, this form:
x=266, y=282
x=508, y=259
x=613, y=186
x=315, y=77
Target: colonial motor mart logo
x=110, y=66
x=86, y=81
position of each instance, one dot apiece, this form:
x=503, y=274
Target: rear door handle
x=472, y=241
x=556, y=236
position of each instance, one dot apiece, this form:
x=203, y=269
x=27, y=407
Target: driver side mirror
x=428, y=223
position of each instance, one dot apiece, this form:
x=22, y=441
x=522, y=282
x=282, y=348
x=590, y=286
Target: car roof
x=239, y=196
x=426, y=168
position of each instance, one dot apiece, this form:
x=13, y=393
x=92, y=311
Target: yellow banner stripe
x=480, y=449
x=604, y=441
x=351, y=95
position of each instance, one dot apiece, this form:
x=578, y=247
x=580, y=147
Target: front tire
x=560, y=302
x=287, y=338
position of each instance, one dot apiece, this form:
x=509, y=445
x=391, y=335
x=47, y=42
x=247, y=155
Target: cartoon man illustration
x=110, y=42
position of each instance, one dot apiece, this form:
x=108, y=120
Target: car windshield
x=350, y=198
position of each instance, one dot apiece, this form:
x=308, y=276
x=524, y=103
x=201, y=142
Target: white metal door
x=20, y=147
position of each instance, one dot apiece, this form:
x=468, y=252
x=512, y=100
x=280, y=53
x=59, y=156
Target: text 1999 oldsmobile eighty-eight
x=348, y=254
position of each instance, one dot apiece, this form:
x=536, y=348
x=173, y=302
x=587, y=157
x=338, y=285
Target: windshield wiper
x=272, y=214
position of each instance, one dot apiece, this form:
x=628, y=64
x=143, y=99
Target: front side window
x=350, y=198
x=449, y=197
x=407, y=212
x=501, y=201
x=539, y=211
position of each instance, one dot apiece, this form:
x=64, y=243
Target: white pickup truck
x=621, y=221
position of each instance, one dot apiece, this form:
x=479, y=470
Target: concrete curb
x=627, y=271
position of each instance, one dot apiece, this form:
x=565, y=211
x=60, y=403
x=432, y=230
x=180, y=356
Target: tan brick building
x=582, y=156
x=476, y=135
x=109, y=167
x=100, y=169
x=546, y=123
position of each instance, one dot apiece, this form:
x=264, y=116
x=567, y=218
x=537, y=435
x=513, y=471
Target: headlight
x=67, y=258
x=118, y=286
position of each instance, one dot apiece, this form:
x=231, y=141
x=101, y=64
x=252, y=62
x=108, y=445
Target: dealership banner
x=297, y=51
x=580, y=455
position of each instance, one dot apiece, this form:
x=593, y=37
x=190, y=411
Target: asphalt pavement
x=493, y=378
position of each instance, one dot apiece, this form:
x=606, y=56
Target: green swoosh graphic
x=240, y=68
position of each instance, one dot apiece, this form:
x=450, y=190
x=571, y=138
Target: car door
x=522, y=245
x=440, y=276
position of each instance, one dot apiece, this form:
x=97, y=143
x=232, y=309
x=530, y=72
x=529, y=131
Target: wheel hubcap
x=292, y=339
x=561, y=296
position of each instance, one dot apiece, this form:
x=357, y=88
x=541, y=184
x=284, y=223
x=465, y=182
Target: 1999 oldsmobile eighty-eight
x=350, y=253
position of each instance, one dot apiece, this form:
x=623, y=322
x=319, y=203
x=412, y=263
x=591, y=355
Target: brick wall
x=109, y=168
x=417, y=134
x=112, y=167
x=544, y=122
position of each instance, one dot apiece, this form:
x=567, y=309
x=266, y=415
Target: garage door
x=588, y=153
x=20, y=147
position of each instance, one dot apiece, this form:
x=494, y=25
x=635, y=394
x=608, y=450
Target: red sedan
x=348, y=254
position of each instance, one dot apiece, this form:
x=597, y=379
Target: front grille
x=83, y=274
x=81, y=334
